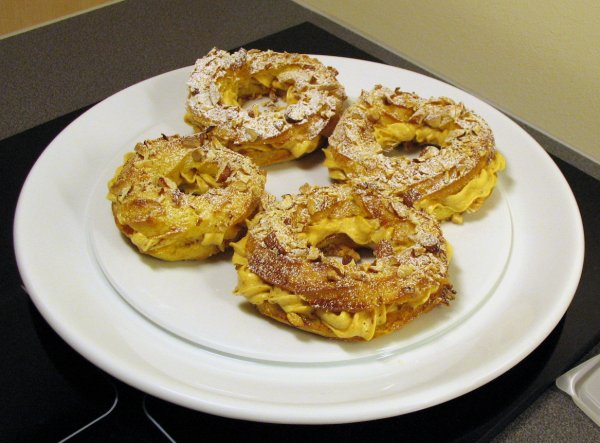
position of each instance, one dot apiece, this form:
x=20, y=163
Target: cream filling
x=336, y=170
x=174, y=247
x=297, y=146
x=194, y=177
x=361, y=230
x=364, y=324
x=389, y=135
x=469, y=198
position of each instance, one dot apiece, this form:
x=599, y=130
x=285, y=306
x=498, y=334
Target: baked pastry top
x=300, y=262
x=270, y=106
x=184, y=198
x=455, y=170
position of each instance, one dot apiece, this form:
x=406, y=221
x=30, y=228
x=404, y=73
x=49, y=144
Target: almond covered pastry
x=269, y=106
x=184, y=198
x=300, y=262
x=457, y=165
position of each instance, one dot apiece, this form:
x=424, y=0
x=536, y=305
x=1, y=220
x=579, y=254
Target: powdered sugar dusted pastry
x=269, y=106
x=455, y=170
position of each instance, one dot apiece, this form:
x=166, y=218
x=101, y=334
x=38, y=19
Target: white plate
x=177, y=332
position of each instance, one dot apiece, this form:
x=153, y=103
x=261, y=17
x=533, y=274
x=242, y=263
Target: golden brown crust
x=438, y=171
x=409, y=273
x=184, y=198
x=318, y=99
x=282, y=258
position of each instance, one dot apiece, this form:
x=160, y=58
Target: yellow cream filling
x=336, y=171
x=174, y=248
x=361, y=230
x=235, y=90
x=468, y=198
x=297, y=146
x=344, y=324
x=194, y=177
x=364, y=324
x=389, y=135
x=361, y=324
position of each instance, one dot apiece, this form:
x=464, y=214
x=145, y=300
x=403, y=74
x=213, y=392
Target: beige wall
x=19, y=15
x=538, y=60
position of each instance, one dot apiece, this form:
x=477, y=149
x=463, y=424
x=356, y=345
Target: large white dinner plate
x=177, y=332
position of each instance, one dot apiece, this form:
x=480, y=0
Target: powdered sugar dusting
x=320, y=95
x=468, y=147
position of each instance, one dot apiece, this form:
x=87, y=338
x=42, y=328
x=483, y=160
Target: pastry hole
x=198, y=178
x=256, y=97
x=343, y=249
x=405, y=149
x=256, y=106
x=366, y=255
x=411, y=151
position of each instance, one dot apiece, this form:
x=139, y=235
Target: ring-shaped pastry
x=269, y=106
x=457, y=164
x=184, y=198
x=300, y=263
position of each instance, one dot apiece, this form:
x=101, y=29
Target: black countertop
x=51, y=392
